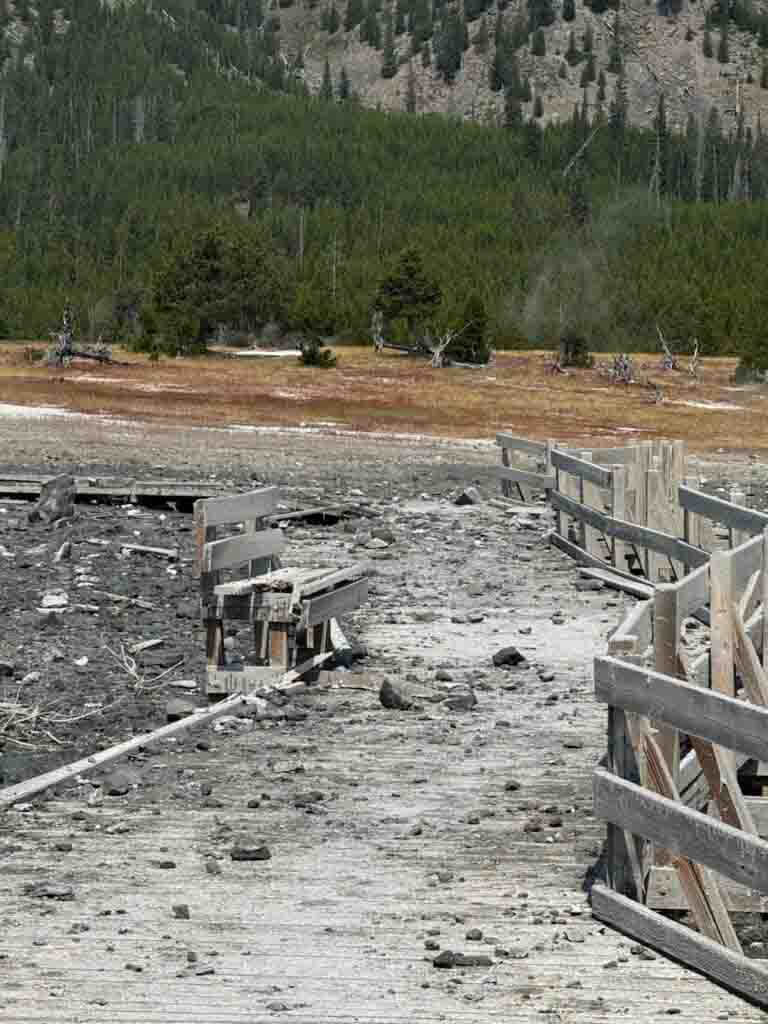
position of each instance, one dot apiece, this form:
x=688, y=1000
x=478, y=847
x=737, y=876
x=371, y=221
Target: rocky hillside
x=657, y=54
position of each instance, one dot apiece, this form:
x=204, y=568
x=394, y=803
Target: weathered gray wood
x=638, y=624
x=749, y=978
x=620, y=477
x=663, y=543
x=172, y=554
x=581, y=557
x=613, y=456
x=234, y=551
x=578, y=467
x=666, y=644
x=521, y=444
x=751, y=670
x=320, y=609
x=721, y=511
x=332, y=578
x=540, y=481
x=223, y=680
x=241, y=507
x=706, y=713
x=681, y=830
x=634, y=587
x=664, y=892
x=693, y=590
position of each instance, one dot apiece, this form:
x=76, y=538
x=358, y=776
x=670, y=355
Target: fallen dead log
x=22, y=791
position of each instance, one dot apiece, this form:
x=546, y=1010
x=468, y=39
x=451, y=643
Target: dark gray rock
x=392, y=699
x=469, y=496
x=461, y=700
x=120, y=781
x=508, y=656
x=247, y=849
x=56, y=501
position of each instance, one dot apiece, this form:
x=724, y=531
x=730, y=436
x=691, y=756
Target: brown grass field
x=399, y=394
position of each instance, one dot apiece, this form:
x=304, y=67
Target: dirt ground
x=393, y=835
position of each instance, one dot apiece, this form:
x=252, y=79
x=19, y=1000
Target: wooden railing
x=685, y=680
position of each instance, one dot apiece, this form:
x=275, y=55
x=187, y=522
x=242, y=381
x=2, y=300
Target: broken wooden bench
x=241, y=579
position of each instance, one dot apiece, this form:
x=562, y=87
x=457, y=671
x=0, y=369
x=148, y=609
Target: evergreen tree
x=334, y=21
x=572, y=54
x=401, y=16
x=481, y=39
x=354, y=14
x=764, y=76
x=326, y=86
x=569, y=10
x=600, y=97
x=562, y=71
x=722, y=46
x=588, y=71
x=540, y=14
x=426, y=55
x=538, y=44
x=421, y=24
x=706, y=44
x=389, y=55
x=532, y=142
x=345, y=89
x=538, y=106
x=411, y=101
x=661, y=155
x=525, y=90
x=370, y=31
x=449, y=45
x=614, y=51
x=588, y=40
x=513, y=111
x=407, y=293
x=471, y=343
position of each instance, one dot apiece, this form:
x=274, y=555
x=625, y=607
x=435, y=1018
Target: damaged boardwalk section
x=330, y=859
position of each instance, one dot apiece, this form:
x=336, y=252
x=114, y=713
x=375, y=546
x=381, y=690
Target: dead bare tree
x=693, y=368
x=63, y=350
x=668, y=359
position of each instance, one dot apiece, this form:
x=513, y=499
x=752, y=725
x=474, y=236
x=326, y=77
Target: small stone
x=248, y=850
x=164, y=865
x=469, y=496
x=277, y=1007
x=474, y=935
x=63, y=846
x=180, y=911
x=212, y=867
x=432, y=944
x=178, y=707
x=508, y=656
x=443, y=676
x=512, y=785
x=253, y=803
x=461, y=700
x=120, y=781
x=573, y=743
x=391, y=698
x=137, y=968
x=446, y=959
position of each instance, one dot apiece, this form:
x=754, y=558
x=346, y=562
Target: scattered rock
x=56, y=501
x=469, y=496
x=461, y=700
x=508, y=656
x=180, y=911
x=448, y=959
x=178, y=707
x=120, y=781
x=474, y=935
x=511, y=785
x=392, y=699
x=246, y=849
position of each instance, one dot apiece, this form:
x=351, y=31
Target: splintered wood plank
x=681, y=830
x=751, y=670
x=747, y=977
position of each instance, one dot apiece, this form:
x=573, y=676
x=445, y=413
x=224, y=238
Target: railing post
x=655, y=517
x=619, y=476
x=590, y=495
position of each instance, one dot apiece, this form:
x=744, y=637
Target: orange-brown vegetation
x=395, y=393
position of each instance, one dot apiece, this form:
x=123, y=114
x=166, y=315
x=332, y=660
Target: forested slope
x=126, y=130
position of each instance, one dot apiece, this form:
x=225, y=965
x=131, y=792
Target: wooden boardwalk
x=416, y=839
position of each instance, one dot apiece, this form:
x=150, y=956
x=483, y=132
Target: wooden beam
x=540, y=481
x=693, y=710
x=750, y=669
x=723, y=512
x=748, y=978
x=681, y=830
x=581, y=557
x=521, y=444
x=578, y=467
x=664, y=892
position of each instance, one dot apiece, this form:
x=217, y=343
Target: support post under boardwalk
x=666, y=641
